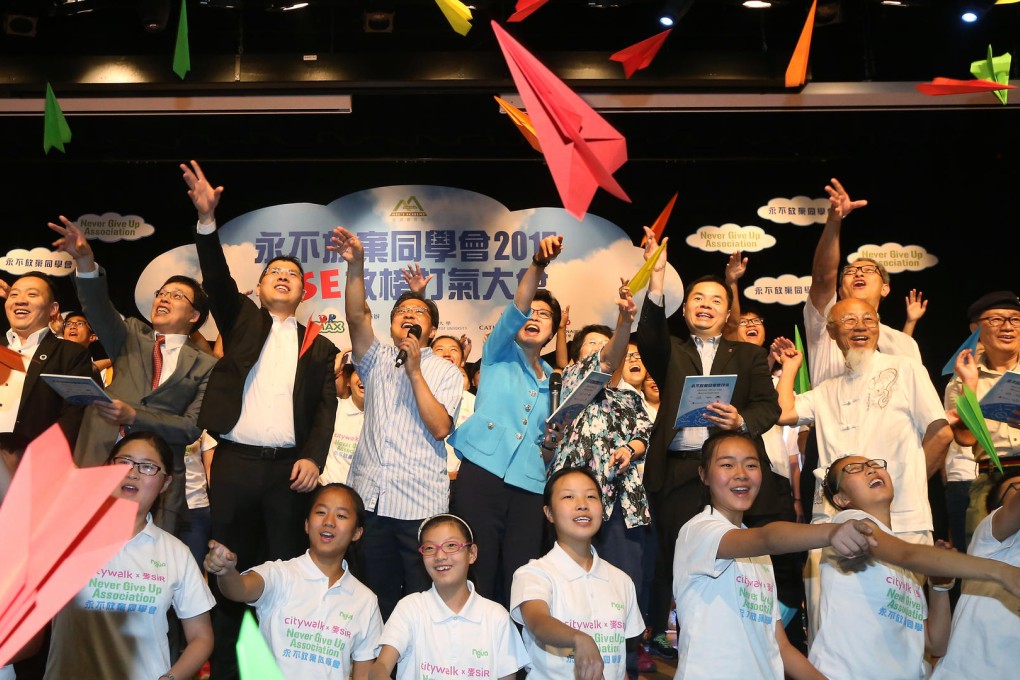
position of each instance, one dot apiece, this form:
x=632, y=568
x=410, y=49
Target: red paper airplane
x=10, y=361
x=582, y=149
x=525, y=8
x=312, y=329
x=941, y=86
x=58, y=526
x=640, y=55
x=796, y=72
x=660, y=222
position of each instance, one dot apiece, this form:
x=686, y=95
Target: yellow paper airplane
x=457, y=14
x=644, y=274
x=522, y=121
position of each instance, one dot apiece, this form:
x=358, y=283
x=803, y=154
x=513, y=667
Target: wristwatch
x=630, y=448
x=742, y=427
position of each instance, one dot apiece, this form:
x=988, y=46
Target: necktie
x=157, y=360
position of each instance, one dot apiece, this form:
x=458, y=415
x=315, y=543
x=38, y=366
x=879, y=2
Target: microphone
x=414, y=330
x=555, y=387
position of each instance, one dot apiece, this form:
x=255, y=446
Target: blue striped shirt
x=399, y=468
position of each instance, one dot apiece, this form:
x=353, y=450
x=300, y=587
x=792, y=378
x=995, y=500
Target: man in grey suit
x=160, y=375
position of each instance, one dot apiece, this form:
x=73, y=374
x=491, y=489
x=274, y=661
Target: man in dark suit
x=270, y=406
x=28, y=406
x=158, y=390
x=675, y=490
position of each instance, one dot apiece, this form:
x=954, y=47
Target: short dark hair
x=411, y=295
x=446, y=337
x=75, y=314
x=716, y=439
x=199, y=298
x=994, y=498
x=166, y=454
x=563, y=472
x=710, y=278
x=359, y=504
x=546, y=296
x=831, y=479
x=284, y=258
x=45, y=278
x=574, y=348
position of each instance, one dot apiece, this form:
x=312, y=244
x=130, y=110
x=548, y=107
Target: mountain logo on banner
x=411, y=207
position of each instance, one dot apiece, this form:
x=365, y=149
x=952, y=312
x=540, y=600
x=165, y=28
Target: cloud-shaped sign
x=786, y=289
x=730, y=238
x=111, y=226
x=20, y=261
x=799, y=210
x=896, y=258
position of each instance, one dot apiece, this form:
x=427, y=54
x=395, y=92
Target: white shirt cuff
x=206, y=229
x=655, y=298
x=94, y=274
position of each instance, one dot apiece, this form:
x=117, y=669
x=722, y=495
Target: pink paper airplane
x=943, y=86
x=582, y=149
x=525, y=8
x=640, y=55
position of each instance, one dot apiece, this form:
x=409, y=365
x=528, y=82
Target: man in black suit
x=675, y=490
x=270, y=406
x=28, y=406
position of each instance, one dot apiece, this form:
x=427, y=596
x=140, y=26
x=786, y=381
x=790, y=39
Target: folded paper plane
x=255, y=660
x=582, y=149
x=995, y=69
x=56, y=131
x=659, y=225
x=457, y=14
x=970, y=343
x=796, y=71
x=525, y=8
x=312, y=329
x=58, y=527
x=640, y=55
x=644, y=273
x=944, y=86
x=522, y=121
x=970, y=413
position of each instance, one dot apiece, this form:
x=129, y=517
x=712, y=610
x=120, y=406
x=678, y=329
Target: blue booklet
x=699, y=392
x=1004, y=398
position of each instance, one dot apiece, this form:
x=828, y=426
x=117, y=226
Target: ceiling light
x=757, y=4
x=284, y=5
x=969, y=17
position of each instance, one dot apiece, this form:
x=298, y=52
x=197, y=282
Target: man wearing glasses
x=411, y=398
x=160, y=375
x=270, y=406
x=997, y=315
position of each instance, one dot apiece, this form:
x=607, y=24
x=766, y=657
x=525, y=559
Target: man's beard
x=857, y=358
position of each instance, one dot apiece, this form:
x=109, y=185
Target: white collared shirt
x=11, y=389
x=267, y=403
x=346, y=433
x=171, y=352
x=479, y=641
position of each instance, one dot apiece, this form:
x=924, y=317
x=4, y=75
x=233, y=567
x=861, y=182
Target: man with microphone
x=411, y=397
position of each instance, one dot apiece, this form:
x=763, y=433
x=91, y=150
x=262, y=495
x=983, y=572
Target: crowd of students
x=451, y=528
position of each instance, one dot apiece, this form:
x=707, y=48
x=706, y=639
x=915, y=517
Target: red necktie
x=157, y=360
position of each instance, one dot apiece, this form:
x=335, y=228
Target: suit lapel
x=691, y=350
x=47, y=346
x=722, y=357
x=302, y=362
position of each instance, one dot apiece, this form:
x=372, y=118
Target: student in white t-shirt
x=986, y=623
x=350, y=418
x=579, y=612
x=449, y=631
x=116, y=626
x=319, y=620
x=727, y=610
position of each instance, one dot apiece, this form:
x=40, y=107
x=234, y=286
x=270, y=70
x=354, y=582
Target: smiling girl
x=335, y=617
x=116, y=627
x=450, y=630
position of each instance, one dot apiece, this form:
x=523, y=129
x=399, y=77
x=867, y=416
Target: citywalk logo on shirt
x=123, y=590
x=316, y=641
x=906, y=604
x=611, y=644
x=759, y=599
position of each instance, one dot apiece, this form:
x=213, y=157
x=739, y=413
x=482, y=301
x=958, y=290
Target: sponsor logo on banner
x=896, y=258
x=799, y=210
x=111, y=226
x=408, y=208
x=730, y=238
x=20, y=261
x=786, y=289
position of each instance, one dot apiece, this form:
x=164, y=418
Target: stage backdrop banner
x=472, y=245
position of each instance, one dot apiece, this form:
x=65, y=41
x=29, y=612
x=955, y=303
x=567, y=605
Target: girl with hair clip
x=450, y=630
x=336, y=617
x=116, y=626
x=727, y=609
x=579, y=612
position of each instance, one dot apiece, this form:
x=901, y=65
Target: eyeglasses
x=449, y=547
x=853, y=270
x=854, y=468
x=849, y=321
x=752, y=321
x=543, y=314
x=997, y=321
x=417, y=311
x=633, y=356
x=175, y=295
x=283, y=271
x=76, y=324
x=144, y=468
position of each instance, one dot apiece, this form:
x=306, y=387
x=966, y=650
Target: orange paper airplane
x=58, y=526
x=796, y=72
x=640, y=55
x=660, y=222
x=522, y=121
x=582, y=149
x=941, y=86
x=525, y=8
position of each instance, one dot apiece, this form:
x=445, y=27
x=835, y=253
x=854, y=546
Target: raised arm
x=916, y=307
x=735, y=268
x=825, y=267
x=787, y=354
x=653, y=339
x=562, y=353
x=548, y=249
x=850, y=539
x=613, y=353
x=359, y=316
x=937, y=438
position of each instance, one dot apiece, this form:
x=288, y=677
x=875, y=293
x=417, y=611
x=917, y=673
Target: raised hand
x=548, y=249
x=916, y=305
x=202, y=194
x=735, y=268
x=347, y=245
x=72, y=240
x=651, y=243
x=839, y=200
x=465, y=348
x=626, y=304
x=966, y=367
x=416, y=280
